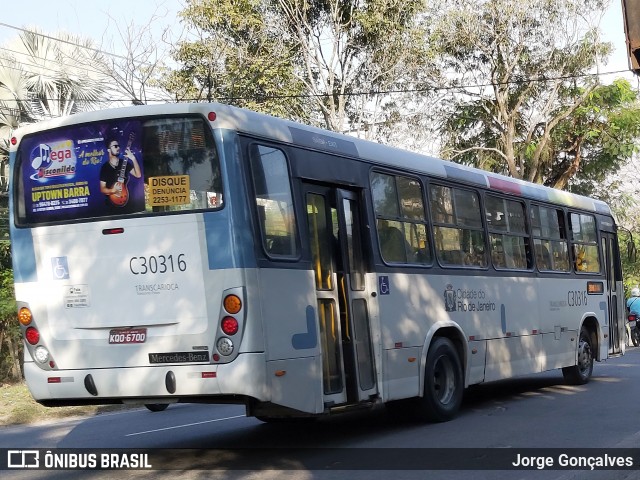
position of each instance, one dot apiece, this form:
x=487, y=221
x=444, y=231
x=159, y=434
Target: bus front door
x=337, y=252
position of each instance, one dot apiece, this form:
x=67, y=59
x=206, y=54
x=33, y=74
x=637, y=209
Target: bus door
x=611, y=257
x=336, y=245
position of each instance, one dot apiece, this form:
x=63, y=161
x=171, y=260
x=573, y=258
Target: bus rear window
x=117, y=167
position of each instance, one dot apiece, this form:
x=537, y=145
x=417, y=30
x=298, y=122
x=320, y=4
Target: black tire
x=635, y=337
x=443, y=383
x=580, y=373
x=156, y=407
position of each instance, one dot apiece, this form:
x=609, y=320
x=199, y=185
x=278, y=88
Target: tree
x=136, y=74
x=595, y=141
x=332, y=63
x=10, y=339
x=63, y=74
x=521, y=67
x=43, y=77
x=236, y=57
x=351, y=55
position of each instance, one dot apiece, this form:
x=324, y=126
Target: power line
x=77, y=69
x=97, y=50
x=541, y=79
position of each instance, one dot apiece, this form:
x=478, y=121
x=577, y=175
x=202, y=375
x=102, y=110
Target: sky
x=100, y=21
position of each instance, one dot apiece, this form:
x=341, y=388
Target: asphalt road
x=218, y=441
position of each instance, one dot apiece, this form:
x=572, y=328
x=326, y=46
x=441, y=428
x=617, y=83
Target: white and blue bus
x=204, y=253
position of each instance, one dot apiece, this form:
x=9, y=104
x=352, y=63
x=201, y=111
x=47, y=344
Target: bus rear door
x=615, y=295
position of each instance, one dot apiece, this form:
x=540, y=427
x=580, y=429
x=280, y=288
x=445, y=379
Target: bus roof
x=253, y=123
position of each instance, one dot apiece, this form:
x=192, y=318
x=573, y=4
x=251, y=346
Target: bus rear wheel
x=443, y=383
x=580, y=373
x=156, y=407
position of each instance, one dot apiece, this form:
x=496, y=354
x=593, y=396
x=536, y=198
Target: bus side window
x=460, y=238
x=400, y=219
x=274, y=201
x=550, y=241
x=584, y=240
x=508, y=233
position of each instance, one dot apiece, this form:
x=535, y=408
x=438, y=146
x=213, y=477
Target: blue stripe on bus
x=227, y=247
x=22, y=248
x=308, y=339
x=228, y=231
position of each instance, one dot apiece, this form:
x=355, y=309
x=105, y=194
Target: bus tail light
x=229, y=326
x=232, y=304
x=225, y=346
x=32, y=335
x=41, y=355
x=24, y=316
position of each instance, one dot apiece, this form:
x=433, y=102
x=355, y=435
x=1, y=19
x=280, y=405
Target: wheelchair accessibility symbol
x=383, y=285
x=60, y=268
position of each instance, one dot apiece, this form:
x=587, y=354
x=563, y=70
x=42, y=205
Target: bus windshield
x=118, y=167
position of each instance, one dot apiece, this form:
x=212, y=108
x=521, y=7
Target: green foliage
x=522, y=67
x=10, y=340
x=236, y=59
x=596, y=140
x=320, y=62
x=629, y=246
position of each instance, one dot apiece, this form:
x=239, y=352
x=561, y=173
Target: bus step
x=352, y=407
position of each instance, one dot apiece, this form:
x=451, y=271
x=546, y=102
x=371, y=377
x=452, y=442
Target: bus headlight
x=41, y=354
x=225, y=346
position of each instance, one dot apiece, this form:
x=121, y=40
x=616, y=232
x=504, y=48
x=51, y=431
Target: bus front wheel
x=580, y=373
x=156, y=407
x=443, y=383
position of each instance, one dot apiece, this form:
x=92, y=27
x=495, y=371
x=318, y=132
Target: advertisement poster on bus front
x=87, y=171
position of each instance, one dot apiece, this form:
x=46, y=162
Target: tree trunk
x=16, y=364
x=562, y=181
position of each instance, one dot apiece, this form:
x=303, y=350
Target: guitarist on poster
x=114, y=174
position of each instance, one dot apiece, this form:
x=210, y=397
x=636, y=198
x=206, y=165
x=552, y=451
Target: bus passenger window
x=584, y=241
x=274, y=201
x=508, y=234
x=550, y=241
x=400, y=219
x=460, y=239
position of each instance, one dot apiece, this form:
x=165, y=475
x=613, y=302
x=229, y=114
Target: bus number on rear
x=157, y=264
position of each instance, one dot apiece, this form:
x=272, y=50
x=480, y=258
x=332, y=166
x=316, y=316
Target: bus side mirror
x=632, y=251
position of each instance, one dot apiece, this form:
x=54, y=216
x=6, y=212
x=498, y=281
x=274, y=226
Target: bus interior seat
x=454, y=257
x=279, y=245
x=393, y=244
x=543, y=259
